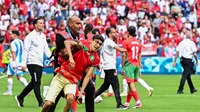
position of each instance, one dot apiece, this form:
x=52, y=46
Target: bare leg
x=69, y=98
x=47, y=106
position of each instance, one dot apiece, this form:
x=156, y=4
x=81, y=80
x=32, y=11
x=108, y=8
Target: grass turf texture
x=164, y=98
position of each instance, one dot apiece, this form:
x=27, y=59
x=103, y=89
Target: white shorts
x=11, y=71
x=58, y=83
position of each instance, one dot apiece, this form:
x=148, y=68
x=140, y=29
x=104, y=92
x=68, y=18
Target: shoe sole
x=17, y=101
x=98, y=101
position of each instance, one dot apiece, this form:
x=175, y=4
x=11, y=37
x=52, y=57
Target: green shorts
x=131, y=72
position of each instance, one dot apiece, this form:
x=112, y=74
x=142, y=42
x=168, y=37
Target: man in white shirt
x=186, y=50
x=35, y=45
x=109, y=66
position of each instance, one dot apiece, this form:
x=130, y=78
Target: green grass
x=164, y=98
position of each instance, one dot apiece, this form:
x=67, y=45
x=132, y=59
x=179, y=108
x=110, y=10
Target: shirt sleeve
x=26, y=48
x=13, y=46
x=194, y=48
x=112, y=44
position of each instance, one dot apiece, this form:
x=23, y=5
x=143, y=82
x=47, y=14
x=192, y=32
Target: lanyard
x=69, y=33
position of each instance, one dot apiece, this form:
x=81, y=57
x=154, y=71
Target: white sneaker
x=98, y=99
x=7, y=93
x=123, y=94
x=45, y=91
x=150, y=91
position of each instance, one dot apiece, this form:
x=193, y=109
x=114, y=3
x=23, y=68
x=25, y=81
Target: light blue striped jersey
x=17, y=45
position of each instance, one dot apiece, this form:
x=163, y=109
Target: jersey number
x=135, y=50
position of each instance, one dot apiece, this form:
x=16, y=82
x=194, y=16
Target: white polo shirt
x=186, y=48
x=35, y=45
x=109, y=54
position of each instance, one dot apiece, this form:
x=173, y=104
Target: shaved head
x=73, y=19
x=74, y=24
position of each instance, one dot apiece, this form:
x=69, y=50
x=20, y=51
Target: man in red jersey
x=133, y=63
x=72, y=70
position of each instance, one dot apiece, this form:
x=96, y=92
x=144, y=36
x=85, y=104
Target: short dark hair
x=131, y=30
x=36, y=20
x=89, y=26
x=108, y=30
x=95, y=30
x=1, y=39
x=98, y=37
x=15, y=32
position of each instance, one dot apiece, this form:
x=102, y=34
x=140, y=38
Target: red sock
x=129, y=96
x=135, y=95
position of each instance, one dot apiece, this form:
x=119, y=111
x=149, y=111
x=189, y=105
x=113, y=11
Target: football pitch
x=164, y=97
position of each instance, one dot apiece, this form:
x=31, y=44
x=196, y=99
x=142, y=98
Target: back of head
x=189, y=34
x=132, y=30
x=98, y=37
x=95, y=31
x=15, y=32
x=89, y=27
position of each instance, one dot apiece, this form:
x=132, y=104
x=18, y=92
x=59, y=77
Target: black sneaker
x=179, y=92
x=194, y=90
x=41, y=105
x=122, y=107
x=19, y=101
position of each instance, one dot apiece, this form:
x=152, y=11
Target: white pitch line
x=178, y=95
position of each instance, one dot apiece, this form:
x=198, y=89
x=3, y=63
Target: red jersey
x=83, y=59
x=134, y=48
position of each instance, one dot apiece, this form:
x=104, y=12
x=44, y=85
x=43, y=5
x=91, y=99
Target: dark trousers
x=36, y=75
x=110, y=79
x=89, y=97
x=187, y=66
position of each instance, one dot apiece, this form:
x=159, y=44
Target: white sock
x=23, y=81
x=143, y=83
x=110, y=90
x=10, y=84
x=125, y=86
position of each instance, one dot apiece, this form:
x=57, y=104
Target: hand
x=24, y=68
x=197, y=63
x=122, y=72
x=80, y=45
x=71, y=63
x=79, y=99
x=174, y=64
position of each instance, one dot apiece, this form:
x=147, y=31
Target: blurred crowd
x=161, y=23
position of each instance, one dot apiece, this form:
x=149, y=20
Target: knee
x=48, y=104
x=70, y=98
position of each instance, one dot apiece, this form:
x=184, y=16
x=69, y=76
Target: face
x=40, y=25
x=113, y=33
x=96, y=45
x=76, y=25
